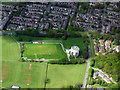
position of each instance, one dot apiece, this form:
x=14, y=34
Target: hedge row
x=64, y=61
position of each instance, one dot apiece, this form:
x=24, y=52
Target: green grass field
x=64, y=75
x=10, y=49
x=67, y=43
x=46, y=51
x=19, y=73
x=23, y=74
x=32, y=74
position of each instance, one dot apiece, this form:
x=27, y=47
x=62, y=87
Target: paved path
x=88, y=66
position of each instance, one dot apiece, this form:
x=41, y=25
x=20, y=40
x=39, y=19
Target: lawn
x=76, y=42
x=46, y=51
x=10, y=49
x=23, y=74
x=64, y=75
x=92, y=48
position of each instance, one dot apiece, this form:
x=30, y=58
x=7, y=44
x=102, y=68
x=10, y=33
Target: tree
x=20, y=39
x=117, y=39
x=50, y=33
x=85, y=54
x=91, y=82
x=92, y=62
x=78, y=85
x=64, y=37
x=90, y=72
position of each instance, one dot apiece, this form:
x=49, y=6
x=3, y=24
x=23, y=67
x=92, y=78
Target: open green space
x=81, y=42
x=32, y=74
x=46, y=51
x=10, y=49
x=19, y=73
x=23, y=74
x=65, y=75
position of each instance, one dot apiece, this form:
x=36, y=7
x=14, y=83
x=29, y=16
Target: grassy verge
x=92, y=48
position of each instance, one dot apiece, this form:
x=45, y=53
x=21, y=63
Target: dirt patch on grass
x=30, y=66
x=5, y=70
x=29, y=75
x=28, y=79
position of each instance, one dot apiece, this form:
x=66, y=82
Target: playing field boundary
x=44, y=43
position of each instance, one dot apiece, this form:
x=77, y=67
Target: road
x=103, y=17
x=48, y=8
x=88, y=66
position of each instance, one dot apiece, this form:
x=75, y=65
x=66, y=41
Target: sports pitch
x=46, y=51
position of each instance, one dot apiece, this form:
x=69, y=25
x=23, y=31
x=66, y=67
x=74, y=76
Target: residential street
x=44, y=17
x=103, y=18
x=88, y=65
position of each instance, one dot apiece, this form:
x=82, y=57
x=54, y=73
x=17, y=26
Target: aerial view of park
x=60, y=45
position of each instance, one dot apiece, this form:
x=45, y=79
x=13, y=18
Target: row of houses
x=6, y=7
x=86, y=26
x=62, y=10
x=89, y=22
x=6, y=14
x=36, y=9
x=105, y=46
x=16, y=27
x=58, y=16
x=111, y=17
x=68, y=4
x=29, y=17
x=33, y=23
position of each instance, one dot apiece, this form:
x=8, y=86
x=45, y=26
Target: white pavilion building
x=74, y=51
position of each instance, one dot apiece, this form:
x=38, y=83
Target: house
x=102, y=75
x=40, y=42
x=15, y=86
x=106, y=28
x=117, y=48
x=95, y=75
x=37, y=42
x=96, y=49
x=102, y=48
x=108, y=44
